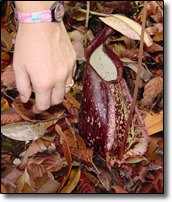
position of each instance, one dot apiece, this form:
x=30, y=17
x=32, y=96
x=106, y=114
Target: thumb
x=23, y=86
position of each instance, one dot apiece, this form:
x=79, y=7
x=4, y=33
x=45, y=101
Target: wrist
x=48, y=29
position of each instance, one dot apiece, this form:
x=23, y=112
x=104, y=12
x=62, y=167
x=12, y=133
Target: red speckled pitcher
x=105, y=106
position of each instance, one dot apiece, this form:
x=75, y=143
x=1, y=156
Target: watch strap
x=55, y=13
x=44, y=16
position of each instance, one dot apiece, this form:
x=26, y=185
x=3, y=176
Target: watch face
x=59, y=12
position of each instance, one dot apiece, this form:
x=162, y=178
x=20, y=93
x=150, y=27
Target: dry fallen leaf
x=151, y=90
x=39, y=145
x=72, y=181
x=84, y=185
x=72, y=100
x=145, y=73
x=154, y=122
x=3, y=190
x=119, y=189
x=46, y=184
x=127, y=27
x=66, y=152
x=8, y=78
x=24, y=131
x=69, y=137
x=22, y=181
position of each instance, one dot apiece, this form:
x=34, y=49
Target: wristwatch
x=54, y=14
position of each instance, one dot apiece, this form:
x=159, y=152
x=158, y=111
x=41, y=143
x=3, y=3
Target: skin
x=44, y=59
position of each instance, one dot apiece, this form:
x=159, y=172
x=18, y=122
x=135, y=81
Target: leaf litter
x=57, y=160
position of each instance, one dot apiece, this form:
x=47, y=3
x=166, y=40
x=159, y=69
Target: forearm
x=33, y=6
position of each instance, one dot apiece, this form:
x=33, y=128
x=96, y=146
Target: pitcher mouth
x=102, y=59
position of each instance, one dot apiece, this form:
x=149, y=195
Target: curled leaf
x=127, y=27
x=84, y=185
x=72, y=181
x=25, y=110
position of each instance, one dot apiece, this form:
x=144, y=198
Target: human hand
x=45, y=61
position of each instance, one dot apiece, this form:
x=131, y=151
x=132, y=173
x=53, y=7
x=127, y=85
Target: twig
x=8, y=96
x=6, y=89
x=137, y=83
x=159, y=4
x=86, y=23
x=93, y=13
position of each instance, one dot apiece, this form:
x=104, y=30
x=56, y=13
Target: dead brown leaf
x=66, y=152
x=151, y=90
x=25, y=110
x=72, y=100
x=38, y=145
x=153, y=48
x=46, y=185
x=155, y=28
x=154, y=122
x=127, y=27
x=133, y=54
x=11, y=174
x=8, y=78
x=119, y=189
x=52, y=163
x=72, y=181
x=84, y=185
x=35, y=170
x=3, y=190
x=71, y=140
x=9, y=186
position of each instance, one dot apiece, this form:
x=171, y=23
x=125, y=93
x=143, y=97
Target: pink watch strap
x=44, y=16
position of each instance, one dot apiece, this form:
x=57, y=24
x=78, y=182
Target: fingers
x=57, y=95
x=23, y=85
x=42, y=100
x=44, y=97
x=47, y=97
